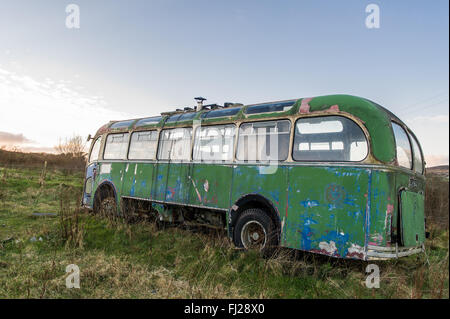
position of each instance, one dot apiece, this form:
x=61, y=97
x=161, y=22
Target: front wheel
x=254, y=229
x=108, y=207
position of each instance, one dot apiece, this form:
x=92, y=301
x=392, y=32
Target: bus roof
x=376, y=118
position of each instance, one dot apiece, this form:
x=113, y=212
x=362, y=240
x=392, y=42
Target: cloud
x=436, y=160
x=442, y=119
x=433, y=134
x=48, y=109
x=10, y=138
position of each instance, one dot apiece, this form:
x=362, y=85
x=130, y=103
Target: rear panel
x=327, y=210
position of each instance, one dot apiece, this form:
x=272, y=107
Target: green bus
x=337, y=175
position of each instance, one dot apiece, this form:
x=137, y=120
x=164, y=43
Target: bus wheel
x=255, y=230
x=108, y=207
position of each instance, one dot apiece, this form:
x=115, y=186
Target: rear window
x=418, y=160
x=329, y=138
x=404, y=154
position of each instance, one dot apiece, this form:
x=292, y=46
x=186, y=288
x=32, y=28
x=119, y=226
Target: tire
x=108, y=207
x=254, y=229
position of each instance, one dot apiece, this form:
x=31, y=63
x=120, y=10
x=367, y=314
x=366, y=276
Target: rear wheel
x=254, y=229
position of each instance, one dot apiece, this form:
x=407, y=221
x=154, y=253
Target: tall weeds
x=71, y=228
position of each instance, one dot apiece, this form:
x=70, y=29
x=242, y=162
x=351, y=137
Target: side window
x=264, y=141
x=116, y=146
x=214, y=143
x=143, y=145
x=404, y=154
x=418, y=160
x=329, y=138
x=175, y=144
x=95, y=150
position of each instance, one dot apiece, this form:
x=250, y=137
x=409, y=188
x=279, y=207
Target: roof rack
x=201, y=107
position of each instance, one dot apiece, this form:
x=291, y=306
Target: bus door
x=210, y=181
x=138, y=179
x=410, y=185
x=138, y=175
x=171, y=176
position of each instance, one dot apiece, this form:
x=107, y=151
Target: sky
x=135, y=58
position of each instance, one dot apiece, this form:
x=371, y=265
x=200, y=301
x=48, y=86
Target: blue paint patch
x=309, y=203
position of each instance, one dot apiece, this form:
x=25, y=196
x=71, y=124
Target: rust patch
x=333, y=108
x=304, y=107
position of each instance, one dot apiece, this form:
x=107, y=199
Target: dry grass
x=436, y=202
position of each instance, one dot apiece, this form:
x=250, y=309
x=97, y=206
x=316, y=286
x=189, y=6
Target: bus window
x=404, y=155
x=143, y=145
x=264, y=141
x=116, y=146
x=214, y=143
x=175, y=144
x=221, y=113
x=148, y=121
x=270, y=107
x=418, y=161
x=330, y=138
x=122, y=124
x=95, y=150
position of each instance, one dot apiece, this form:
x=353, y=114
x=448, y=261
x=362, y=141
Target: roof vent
x=199, y=102
x=229, y=104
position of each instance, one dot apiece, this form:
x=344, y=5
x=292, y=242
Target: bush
x=436, y=201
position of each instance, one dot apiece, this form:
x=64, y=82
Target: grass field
x=119, y=260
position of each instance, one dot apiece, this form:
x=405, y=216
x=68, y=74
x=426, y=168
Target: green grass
x=119, y=260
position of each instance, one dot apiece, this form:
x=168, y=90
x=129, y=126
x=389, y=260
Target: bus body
x=347, y=178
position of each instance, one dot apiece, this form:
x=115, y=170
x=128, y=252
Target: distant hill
x=441, y=170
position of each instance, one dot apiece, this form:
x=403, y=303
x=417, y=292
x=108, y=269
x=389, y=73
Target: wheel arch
x=253, y=200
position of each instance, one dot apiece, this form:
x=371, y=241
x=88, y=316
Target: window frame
x=410, y=146
x=99, y=155
x=237, y=135
x=142, y=159
x=413, y=138
x=233, y=155
x=159, y=143
x=364, y=131
x=128, y=147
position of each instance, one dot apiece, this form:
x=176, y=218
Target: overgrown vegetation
x=140, y=260
x=66, y=163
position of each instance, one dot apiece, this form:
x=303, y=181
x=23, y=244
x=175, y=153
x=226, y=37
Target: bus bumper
x=383, y=253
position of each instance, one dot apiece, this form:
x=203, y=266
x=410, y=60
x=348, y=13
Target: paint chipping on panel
x=329, y=248
x=105, y=169
x=355, y=251
x=333, y=108
x=304, y=107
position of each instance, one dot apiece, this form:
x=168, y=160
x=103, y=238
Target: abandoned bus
x=337, y=175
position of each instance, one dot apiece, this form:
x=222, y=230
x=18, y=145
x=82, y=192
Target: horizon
x=140, y=59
